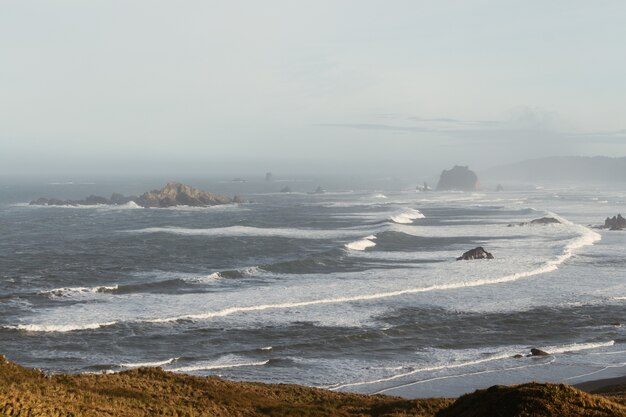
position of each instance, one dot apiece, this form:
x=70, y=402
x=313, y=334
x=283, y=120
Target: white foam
x=619, y=298
x=575, y=347
x=499, y=356
x=205, y=279
x=407, y=217
x=362, y=244
x=60, y=328
x=148, y=364
x=207, y=366
x=379, y=195
x=587, y=237
x=233, y=231
x=71, y=291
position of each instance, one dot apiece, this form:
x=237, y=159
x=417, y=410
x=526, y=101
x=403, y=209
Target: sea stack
x=459, y=178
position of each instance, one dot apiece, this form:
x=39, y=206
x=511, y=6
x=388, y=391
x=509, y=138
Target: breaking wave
x=407, y=217
x=366, y=242
x=237, y=231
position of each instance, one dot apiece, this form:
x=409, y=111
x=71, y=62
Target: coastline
x=155, y=392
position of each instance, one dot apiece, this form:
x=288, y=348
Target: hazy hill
x=562, y=168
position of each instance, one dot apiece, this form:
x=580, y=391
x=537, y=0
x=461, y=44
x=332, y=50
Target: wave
x=407, y=217
x=587, y=237
x=575, y=347
x=508, y=354
x=228, y=362
x=71, y=291
x=362, y=244
x=148, y=364
x=57, y=328
x=379, y=195
x=237, y=231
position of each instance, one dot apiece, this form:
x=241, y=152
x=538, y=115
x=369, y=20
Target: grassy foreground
x=154, y=392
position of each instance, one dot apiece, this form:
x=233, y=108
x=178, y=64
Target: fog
x=361, y=87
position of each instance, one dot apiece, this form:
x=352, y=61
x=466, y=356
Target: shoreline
x=152, y=391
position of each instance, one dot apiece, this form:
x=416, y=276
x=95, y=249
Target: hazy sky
x=318, y=86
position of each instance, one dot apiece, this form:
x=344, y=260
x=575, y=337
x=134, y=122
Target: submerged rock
x=477, y=253
x=543, y=221
x=459, y=178
x=173, y=194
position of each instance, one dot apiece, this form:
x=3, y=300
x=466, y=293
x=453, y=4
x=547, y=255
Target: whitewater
x=354, y=290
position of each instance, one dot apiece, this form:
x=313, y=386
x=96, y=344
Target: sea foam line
x=148, y=364
x=574, y=347
x=210, y=366
x=231, y=231
x=587, y=237
x=489, y=371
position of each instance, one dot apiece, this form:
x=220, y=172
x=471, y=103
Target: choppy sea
x=354, y=290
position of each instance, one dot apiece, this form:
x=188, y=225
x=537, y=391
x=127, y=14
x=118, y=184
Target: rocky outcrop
x=458, y=178
x=615, y=223
x=286, y=189
x=499, y=188
x=173, y=194
x=319, y=190
x=542, y=221
x=477, y=253
x=538, y=352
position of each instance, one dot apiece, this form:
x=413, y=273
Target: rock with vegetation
x=173, y=194
x=533, y=400
x=476, y=253
x=459, y=178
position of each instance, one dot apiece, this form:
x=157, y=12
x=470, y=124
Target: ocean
x=357, y=289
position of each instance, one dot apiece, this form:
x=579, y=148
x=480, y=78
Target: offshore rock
x=459, y=178
x=615, y=223
x=173, y=194
x=477, y=253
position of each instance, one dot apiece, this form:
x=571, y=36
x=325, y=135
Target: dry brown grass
x=153, y=392
x=533, y=400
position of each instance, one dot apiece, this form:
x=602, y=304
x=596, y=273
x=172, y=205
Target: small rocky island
x=476, y=253
x=615, y=223
x=173, y=194
x=459, y=178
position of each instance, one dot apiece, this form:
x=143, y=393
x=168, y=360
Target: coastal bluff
x=171, y=195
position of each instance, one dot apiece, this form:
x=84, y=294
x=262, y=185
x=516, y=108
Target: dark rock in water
x=538, y=352
x=173, y=194
x=286, y=189
x=94, y=200
x=458, y=178
x=477, y=253
x=615, y=223
x=319, y=190
x=545, y=220
x=120, y=199
x=499, y=188
x=518, y=356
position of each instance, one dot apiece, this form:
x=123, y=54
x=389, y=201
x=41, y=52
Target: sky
x=245, y=87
